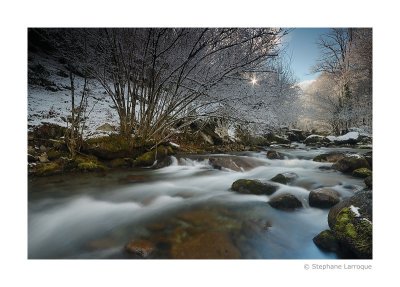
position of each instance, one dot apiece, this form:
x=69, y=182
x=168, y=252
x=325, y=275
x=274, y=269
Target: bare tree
x=157, y=77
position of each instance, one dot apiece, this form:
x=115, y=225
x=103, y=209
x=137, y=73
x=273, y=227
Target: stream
x=185, y=210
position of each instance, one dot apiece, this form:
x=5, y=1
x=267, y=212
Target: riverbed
x=185, y=210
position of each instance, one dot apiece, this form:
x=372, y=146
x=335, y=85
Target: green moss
x=148, y=158
x=112, y=143
x=354, y=232
x=47, y=168
x=362, y=172
x=91, y=166
x=88, y=163
x=53, y=154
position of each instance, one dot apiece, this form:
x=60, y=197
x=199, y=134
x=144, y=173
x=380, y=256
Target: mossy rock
x=285, y=201
x=284, y=178
x=250, y=186
x=159, y=154
x=354, y=232
x=368, y=181
x=326, y=241
x=362, y=200
x=351, y=163
x=54, y=154
x=48, y=168
x=109, y=147
x=362, y=172
x=329, y=157
x=89, y=163
x=273, y=154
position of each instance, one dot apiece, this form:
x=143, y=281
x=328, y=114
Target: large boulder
x=362, y=200
x=316, y=139
x=330, y=157
x=158, y=154
x=273, y=154
x=351, y=223
x=368, y=181
x=350, y=163
x=323, y=197
x=350, y=138
x=327, y=241
x=250, y=186
x=285, y=201
x=368, y=157
x=362, y=172
x=295, y=135
x=354, y=232
x=285, y=178
x=234, y=163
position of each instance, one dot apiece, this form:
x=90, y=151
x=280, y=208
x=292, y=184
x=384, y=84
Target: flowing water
x=185, y=210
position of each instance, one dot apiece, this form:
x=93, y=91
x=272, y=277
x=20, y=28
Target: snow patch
x=174, y=144
x=355, y=210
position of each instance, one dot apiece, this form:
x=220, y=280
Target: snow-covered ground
x=45, y=106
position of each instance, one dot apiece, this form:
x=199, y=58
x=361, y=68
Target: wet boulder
x=368, y=157
x=285, y=201
x=354, y=232
x=250, y=186
x=368, y=181
x=316, y=139
x=350, y=163
x=329, y=157
x=273, y=154
x=285, y=178
x=362, y=200
x=234, y=163
x=159, y=154
x=323, y=198
x=362, y=172
x=327, y=241
x=351, y=223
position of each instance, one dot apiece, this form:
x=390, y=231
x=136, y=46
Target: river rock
x=327, y=241
x=350, y=163
x=362, y=172
x=250, y=186
x=368, y=157
x=148, y=158
x=362, y=200
x=295, y=135
x=323, y=197
x=139, y=247
x=368, y=181
x=351, y=223
x=316, y=139
x=285, y=178
x=272, y=154
x=285, y=201
x=234, y=163
x=329, y=157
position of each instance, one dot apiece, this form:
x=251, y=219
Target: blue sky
x=301, y=46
